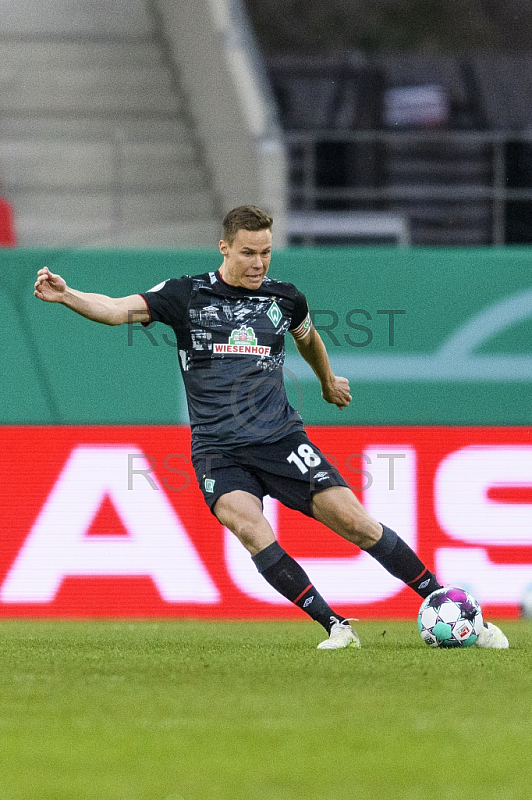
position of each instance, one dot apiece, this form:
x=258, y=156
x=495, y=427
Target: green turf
x=252, y=711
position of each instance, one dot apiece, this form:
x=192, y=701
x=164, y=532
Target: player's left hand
x=338, y=392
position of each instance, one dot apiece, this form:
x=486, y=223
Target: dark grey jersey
x=231, y=351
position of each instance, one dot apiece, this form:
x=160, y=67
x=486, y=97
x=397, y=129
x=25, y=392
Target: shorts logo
x=209, y=485
x=321, y=476
x=242, y=342
x=274, y=313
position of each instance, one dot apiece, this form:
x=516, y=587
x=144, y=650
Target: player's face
x=247, y=259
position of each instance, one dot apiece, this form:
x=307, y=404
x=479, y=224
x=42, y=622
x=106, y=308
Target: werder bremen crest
x=274, y=313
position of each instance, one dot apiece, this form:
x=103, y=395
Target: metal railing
x=493, y=188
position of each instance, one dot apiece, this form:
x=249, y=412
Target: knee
x=341, y=511
x=246, y=532
x=362, y=529
x=253, y=530
x=358, y=527
x=254, y=538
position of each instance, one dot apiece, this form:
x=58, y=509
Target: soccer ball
x=450, y=617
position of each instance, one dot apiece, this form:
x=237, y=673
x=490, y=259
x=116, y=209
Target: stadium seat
x=7, y=224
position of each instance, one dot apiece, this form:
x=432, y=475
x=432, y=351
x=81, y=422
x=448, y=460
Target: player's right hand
x=48, y=286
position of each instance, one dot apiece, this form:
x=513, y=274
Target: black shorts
x=291, y=470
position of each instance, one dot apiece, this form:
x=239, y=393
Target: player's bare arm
x=52, y=288
x=334, y=389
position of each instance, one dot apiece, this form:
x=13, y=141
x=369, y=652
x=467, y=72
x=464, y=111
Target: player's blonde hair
x=247, y=218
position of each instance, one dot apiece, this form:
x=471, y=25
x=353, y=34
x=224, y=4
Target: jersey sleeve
x=167, y=302
x=301, y=322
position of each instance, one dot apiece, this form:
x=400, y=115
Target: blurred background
x=392, y=142
x=139, y=122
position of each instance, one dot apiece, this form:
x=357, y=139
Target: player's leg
x=234, y=495
x=241, y=513
x=315, y=487
x=339, y=509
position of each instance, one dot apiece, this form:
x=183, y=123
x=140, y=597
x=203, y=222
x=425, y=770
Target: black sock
x=289, y=579
x=400, y=560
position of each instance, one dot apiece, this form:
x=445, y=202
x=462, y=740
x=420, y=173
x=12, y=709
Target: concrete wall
x=228, y=98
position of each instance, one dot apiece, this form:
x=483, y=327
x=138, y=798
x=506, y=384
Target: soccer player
x=247, y=441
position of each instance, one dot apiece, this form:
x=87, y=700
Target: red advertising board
x=108, y=521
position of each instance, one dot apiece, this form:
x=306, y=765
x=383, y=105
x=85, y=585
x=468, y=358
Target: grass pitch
x=179, y=710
